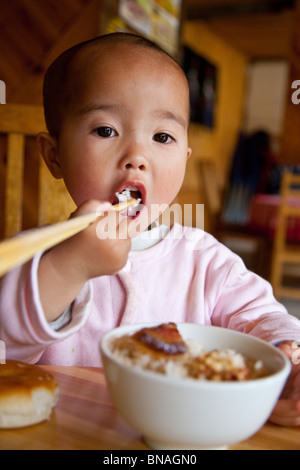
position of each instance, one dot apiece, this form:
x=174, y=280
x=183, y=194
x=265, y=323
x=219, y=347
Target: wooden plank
x=14, y=184
x=289, y=292
x=26, y=119
x=54, y=202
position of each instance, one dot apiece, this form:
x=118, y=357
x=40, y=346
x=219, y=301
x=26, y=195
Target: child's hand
x=100, y=249
x=287, y=410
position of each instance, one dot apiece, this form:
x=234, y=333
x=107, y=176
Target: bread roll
x=27, y=394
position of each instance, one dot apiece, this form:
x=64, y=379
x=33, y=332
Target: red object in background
x=264, y=215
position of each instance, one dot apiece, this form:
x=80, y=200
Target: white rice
x=125, y=195
x=196, y=362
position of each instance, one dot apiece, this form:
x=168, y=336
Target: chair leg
x=276, y=276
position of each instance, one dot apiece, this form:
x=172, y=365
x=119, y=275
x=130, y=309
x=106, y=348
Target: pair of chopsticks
x=21, y=248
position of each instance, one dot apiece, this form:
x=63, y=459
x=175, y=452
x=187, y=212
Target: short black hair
x=58, y=88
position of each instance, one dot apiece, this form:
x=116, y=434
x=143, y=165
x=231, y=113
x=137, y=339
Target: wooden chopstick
x=21, y=248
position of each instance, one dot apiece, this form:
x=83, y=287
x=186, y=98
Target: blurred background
x=242, y=60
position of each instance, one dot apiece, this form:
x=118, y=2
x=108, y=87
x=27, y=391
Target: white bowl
x=176, y=413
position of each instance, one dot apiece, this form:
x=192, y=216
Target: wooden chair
x=250, y=247
x=17, y=124
x=286, y=250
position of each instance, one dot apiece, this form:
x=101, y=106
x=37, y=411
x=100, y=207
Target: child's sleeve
x=246, y=303
x=23, y=326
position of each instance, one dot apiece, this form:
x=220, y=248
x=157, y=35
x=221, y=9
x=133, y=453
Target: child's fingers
x=90, y=206
x=115, y=226
x=127, y=228
x=112, y=227
x=292, y=350
x=286, y=348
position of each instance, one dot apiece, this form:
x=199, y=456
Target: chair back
x=20, y=160
x=286, y=250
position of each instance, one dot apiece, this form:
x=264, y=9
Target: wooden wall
x=35, y=32
x=32, y=34
x=290, y=152
x=215, y=144
x=219, y=142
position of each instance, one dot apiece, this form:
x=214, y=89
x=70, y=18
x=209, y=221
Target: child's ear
x=48, y=147
x=189, y=152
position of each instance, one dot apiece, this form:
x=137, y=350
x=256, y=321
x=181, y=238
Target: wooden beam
x=233, y=8
x=14, y=117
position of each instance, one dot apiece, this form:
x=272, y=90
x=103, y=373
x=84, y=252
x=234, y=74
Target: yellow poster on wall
x=158, y=20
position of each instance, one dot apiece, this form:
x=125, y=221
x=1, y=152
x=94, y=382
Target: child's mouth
x=128, y=193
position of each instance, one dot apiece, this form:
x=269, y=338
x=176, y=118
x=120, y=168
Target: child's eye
x=163, y=138
x=105, y=131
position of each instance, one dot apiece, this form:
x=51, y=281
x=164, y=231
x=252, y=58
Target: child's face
x=129, y=127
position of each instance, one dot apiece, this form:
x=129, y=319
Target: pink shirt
x=186, y=277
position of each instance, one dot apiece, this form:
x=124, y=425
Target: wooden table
x=85, y=418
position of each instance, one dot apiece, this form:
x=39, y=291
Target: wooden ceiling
x=33, y=32
x=258, y=36
x=260, y=29
x=212, y=8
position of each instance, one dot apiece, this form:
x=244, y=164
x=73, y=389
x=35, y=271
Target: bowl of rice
x=188, y=386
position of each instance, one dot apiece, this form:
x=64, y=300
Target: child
x=117, y=112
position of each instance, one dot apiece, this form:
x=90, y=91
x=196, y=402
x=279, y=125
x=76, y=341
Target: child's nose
x=134, y=160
